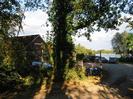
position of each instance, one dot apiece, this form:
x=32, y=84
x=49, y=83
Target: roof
x=28, y=39
x=31, y=37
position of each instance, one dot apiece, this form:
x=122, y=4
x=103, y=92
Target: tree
x=10, y=23
x=123, y=43
x=10, y=17
x=130, y=43
x=62, y=38
x=68, y=17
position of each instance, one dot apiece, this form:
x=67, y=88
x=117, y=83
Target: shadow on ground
x=57, y=91
x=88, y=89
x=119, y=77
x=25, y=92
x=68, y=90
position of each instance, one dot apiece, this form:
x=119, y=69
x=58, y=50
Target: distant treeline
x=104, y=51
x=79, y=49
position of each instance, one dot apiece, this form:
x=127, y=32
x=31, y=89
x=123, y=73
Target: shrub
x=9, y=78
x=126, y=59
x=28, y=80
x=79, y=56
x=75, y=74
x=71, y=74
x=81, y=73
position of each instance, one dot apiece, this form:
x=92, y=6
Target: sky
x=34, y=23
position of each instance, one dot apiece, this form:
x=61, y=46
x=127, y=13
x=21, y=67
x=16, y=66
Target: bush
x=81, y=73
x=71, y=74
x=28, y=81
x=75, y=74
x=9, y=78
x=126, y=59
x=79, y=56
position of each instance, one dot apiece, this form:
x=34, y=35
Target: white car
x=36, y=63
x=46, y=65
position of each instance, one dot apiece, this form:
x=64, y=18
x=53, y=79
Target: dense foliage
x=10, y=23
x=82, y=50
x=13, y=63
x=123, y=43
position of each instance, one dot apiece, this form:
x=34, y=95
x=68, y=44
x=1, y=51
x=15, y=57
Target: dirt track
x=121, y=76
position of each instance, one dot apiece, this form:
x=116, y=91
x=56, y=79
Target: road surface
x=120, y=75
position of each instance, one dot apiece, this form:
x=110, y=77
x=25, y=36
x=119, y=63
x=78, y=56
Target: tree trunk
x=62, y=47
x=60, y=32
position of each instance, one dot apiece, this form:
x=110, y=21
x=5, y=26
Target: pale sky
x=34, y=23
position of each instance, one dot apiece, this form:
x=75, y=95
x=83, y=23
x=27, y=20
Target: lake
x=107, y=56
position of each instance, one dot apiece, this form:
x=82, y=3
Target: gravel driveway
x=121, y=76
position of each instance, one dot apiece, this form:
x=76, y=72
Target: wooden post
x=100, y=54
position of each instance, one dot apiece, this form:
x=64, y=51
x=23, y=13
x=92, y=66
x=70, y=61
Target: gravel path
x=121, y=76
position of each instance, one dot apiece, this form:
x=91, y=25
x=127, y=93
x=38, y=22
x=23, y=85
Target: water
x=107, y=56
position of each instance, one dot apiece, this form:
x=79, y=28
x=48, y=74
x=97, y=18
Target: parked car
x=46, y=65
x=104, y=60
x=36, y=63
x=113, y=60
x=101, y=60
x=97, y=59
x=88, y=58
